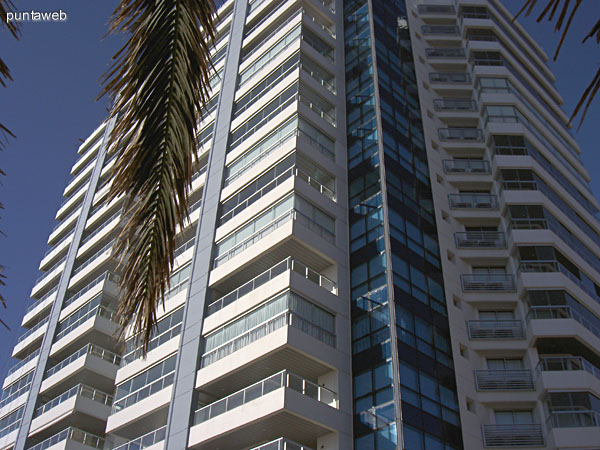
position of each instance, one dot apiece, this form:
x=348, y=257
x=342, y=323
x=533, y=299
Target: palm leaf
x=160, y=83
x=551, y=8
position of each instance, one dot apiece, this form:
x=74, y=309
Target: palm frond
x=160, y=82
x=589, y=94
x=13, y=28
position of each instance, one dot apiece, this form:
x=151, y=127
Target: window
x=514, y=417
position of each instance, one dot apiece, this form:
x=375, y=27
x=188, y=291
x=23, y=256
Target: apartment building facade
x=392, y=245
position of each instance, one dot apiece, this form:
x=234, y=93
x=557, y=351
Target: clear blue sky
x=50, y=105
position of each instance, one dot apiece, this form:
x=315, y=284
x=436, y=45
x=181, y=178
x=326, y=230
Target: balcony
x=445, y=52
x=30, y=337
x=450, y=30
x=283, y=379
x=285, y=265
x=450, y=77
x=562, y=312
x=281, y=444
x=467, y=166
x=473, y=201
x=81, y=390
x=454, y=104
x=487, y=282
x=89, y=349
x=147, y=440
x=567, y=363
x=504, y=380
x=71, y=434
x=496, y=329
x=460, y=134
x=480, y=239
x=436, y=9
x=513, y=435
x=573, y=419
x=291, y=215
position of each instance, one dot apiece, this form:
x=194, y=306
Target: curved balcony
x=573, y=419
x=81, y=390
x=567, y=364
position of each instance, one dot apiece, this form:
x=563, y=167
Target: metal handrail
x=100, y=228
x=109, y=276
x=22, y=362
x=509, y=435
x=466, y=166
x=480, y=239
x=473, y=201
x=51, y=249
x=493, y=380
x=282, y=379
x=450, y=77
x=73, y=434
x=562, y=312
x=496, y=329
x=460, y=134
x=91, y=259
x=147, y=440
x=46, y=296
x=454, y=104
x=51, y=269
x=445, y=52
x=80, y=389
x=91, y=349
x=281, y=444
x=573, y=419
x=32, y=330
x=98, y=311
x=287, y=264
x=285, y=318
x=453, y=30
x=566, y=363
x=487, y=282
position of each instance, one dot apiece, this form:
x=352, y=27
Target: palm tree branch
x=589, y=94
x=160, y=81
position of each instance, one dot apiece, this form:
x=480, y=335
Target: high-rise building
x=392, y=245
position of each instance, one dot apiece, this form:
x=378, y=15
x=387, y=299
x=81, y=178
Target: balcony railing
x=147, y=440
x=473, y=201
x=287, y=264
x=282, y=177
x=24, y=361
x=450, y=77
x=32, y=330
x=451, y=30
x=454, y=104
x=98, y=311
x=562, y=312
x=487, y=282
x=94, y=257
x=567, y=363
x=282, y=379
x=71, y=434
x=292, y=214
x=81, y=390
x=102, y=227
x=460, y=134
x=91, y=349
x=503, y=380
x=281, y=444
x=41, y=300
x=496, y=329
x=480, y=239
x=51, y=269
x=513, y=435
x=286, y=318
x=436, y=9
x=106, y=276
x=445, y=52
x=55, y=246
x=573, y=419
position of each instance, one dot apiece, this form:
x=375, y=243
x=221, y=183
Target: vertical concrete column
x=65, y=277
x=182, y=401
